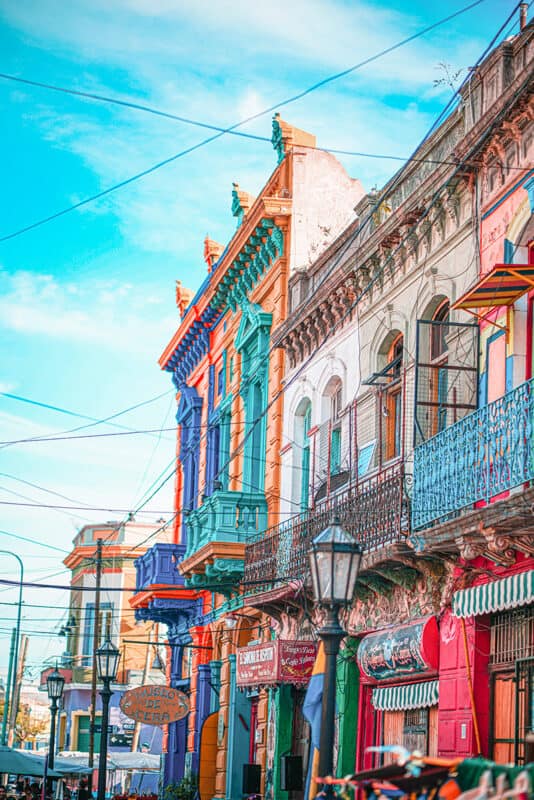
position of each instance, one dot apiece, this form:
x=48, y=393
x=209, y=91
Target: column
x=202, y=710
x=215, y=680
x=224, y=702
x=348, y=690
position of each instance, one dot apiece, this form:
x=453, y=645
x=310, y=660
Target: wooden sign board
x=155, y=705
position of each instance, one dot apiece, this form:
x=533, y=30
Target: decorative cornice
x=260, y=251
x=371, y=265
x=263, y=247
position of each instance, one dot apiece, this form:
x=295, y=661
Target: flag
x=312, y=709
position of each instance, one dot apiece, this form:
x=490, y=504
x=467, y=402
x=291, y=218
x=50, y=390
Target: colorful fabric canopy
x=400, y=698
x=501, y=286
x=511, y=592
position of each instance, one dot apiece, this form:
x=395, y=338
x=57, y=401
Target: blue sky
x=87, y=301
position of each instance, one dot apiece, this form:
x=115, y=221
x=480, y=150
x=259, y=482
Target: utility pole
x=96, y=643
x=17, y=685
x=7, y=696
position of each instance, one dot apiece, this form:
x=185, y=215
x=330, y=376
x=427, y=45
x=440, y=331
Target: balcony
x=226, y=517
x=160, y=591
x=373, y=510
x=217, y=533
x=477, y=459
x=159, y=566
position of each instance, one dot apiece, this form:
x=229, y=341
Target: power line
x=93, y=420
x=201, y=124
x=233, y=455
x=232, y=128
x=150, y=498
x=361, y=227
x=32, y=541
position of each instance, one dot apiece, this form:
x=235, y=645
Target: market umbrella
x=20, y=762
x=148, y=762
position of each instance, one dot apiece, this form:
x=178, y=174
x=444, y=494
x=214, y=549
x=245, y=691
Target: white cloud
x=109, y=313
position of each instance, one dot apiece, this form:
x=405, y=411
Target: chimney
x=523, y=11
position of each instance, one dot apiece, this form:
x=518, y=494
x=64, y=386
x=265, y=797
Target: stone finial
x=212, y=252
x=241, y=202
x=183, y=297
x=286, y=136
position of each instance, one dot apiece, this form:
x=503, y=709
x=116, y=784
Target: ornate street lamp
x=335, y=560
x=107, y=664
x=54, y=686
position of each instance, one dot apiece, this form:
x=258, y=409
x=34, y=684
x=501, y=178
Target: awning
x=501, y=286
x=400, y=698
x=512, y=592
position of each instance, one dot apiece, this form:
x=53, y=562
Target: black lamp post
x=335, y=560
x=107, y=662
x=54, y=686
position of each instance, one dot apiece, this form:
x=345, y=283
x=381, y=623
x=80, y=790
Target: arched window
x=301, y=474
x=393, y=398
x=332, y=407
x=439, y=372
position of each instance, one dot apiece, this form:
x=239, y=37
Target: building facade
x=409, y=358
x=228, y=378
x=368, y=356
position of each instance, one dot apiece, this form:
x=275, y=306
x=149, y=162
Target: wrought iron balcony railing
x=159, y=565
x=226, y=517
x=478, y=458
x=373, y=510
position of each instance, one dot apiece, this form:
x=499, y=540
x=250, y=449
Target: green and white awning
x=400, y=698
x=511, y=592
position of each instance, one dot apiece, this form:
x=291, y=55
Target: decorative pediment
x=254, y=322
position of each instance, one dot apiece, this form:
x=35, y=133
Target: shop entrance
x=512, y=684
x=414, y=729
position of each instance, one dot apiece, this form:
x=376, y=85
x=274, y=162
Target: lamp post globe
x=107, y=664
x=54, y=687
x=335, y=561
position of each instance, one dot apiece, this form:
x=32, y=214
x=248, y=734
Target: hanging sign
x=409, y=649
x=275, y=662
x=155, y=705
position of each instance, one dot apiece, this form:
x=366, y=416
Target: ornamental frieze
x=431, y=594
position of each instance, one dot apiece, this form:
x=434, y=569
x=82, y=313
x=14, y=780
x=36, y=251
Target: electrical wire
x=93, y=420
x=92, y=589
x=32, y=541
x=224, y=131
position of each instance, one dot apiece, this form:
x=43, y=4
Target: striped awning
x=501, y=286
x=511, y=592
x=399, y=698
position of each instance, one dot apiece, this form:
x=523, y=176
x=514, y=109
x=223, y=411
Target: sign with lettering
x=275, y=662
x=409, y=649
x=155, y=705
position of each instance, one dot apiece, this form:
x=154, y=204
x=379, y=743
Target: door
x=503, y=718
x=414, y=729
x=208, y=756
x=84, y=722
x=524, y=707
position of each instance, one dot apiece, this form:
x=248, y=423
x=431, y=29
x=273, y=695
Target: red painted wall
x=455, y=719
